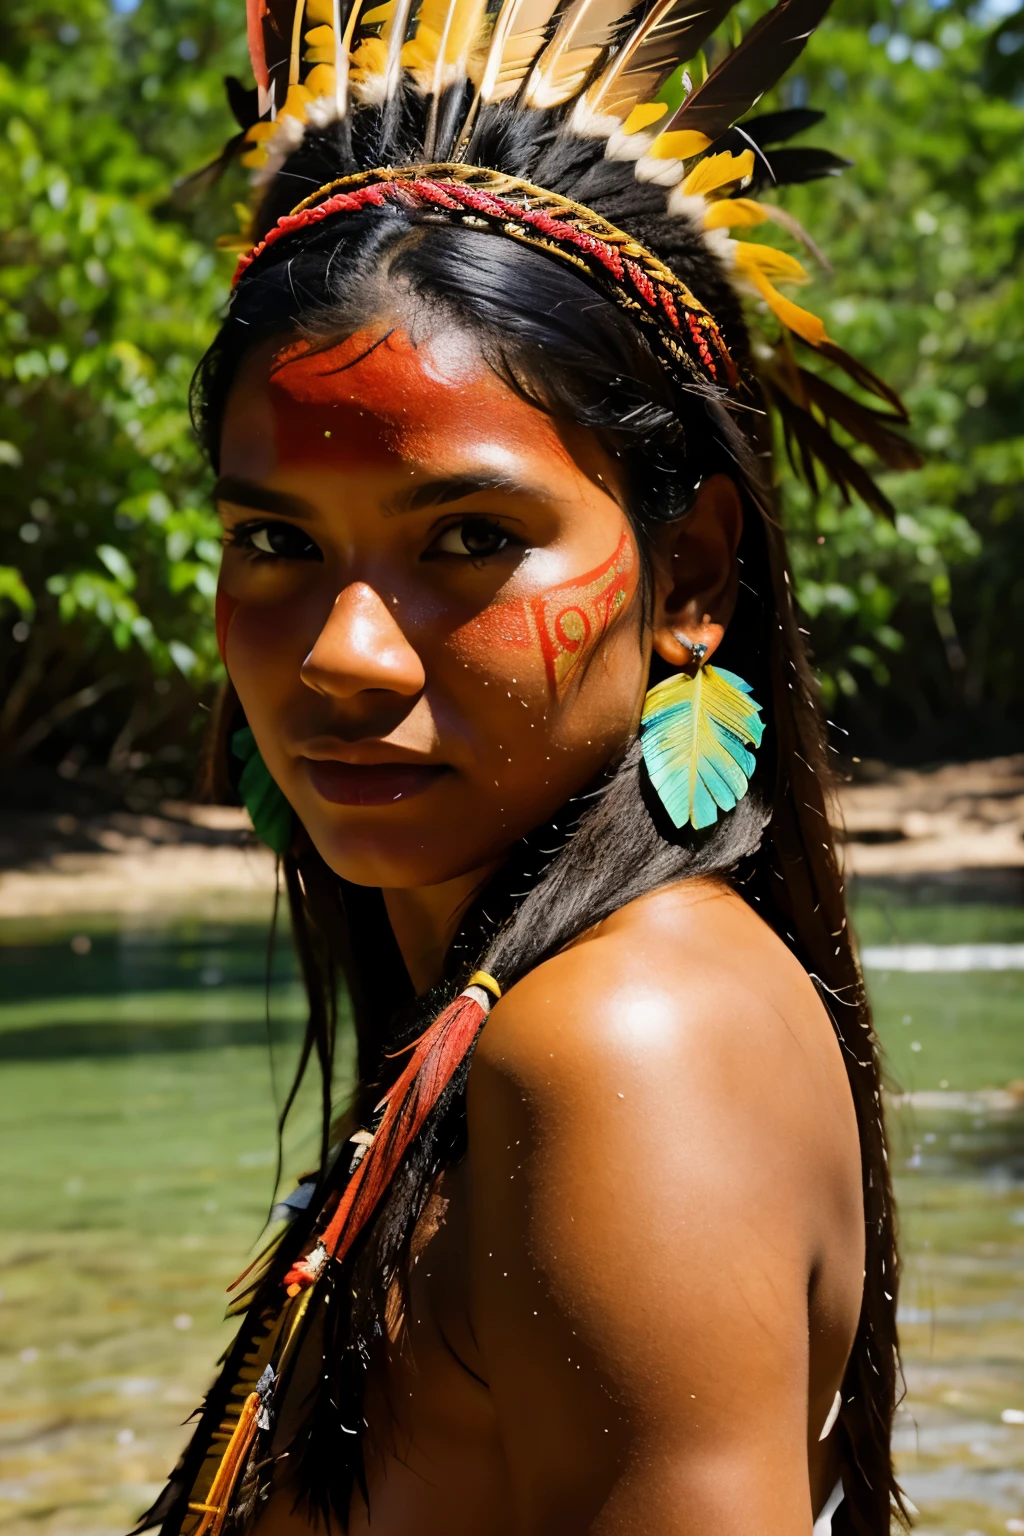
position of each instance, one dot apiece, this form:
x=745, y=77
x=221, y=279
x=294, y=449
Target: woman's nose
x=361, y=647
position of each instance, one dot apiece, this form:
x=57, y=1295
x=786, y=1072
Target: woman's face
x=429, y=601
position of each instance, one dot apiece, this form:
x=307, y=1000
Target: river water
x=137, y=1110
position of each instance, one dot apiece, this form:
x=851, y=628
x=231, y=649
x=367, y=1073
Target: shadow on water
x=87, y=963
x=66, y=1042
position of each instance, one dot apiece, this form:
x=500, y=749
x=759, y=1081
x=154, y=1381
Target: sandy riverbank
x=902, y=822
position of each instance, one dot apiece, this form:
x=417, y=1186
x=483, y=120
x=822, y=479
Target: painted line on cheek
x=224, y=611
x=572, y=618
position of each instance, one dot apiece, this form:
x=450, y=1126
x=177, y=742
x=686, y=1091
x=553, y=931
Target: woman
x=518, y=695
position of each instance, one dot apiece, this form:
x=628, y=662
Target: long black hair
x=571, y=352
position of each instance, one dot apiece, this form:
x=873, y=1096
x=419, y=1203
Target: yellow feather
x=320, y=10
x=320, y=37
x=322, y=80
x=370, y=58
x=767, y=260
x=734, y=213
x=717, y=171
x=681, y=145
x=644, y=115
x=436, y=53
x=800, y=321
x=376, y=52
x=296, y=102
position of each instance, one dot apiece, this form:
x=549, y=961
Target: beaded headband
x=685, y=337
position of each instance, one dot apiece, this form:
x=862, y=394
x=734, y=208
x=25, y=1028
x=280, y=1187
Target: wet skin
x=637, y=1305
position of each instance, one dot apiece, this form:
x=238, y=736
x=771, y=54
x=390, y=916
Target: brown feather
x=861, y=374
x=871, y=427
x=807, y=438
x=670, y=33
x=581, y=39
x=764, y=55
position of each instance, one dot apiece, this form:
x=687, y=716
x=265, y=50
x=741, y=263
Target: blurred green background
x=110, y=287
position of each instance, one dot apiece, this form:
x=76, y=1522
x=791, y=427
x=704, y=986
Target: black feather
x=244, y=104
x=739, y=82
x=789, y=166
x=778, y=127
x=871, y=427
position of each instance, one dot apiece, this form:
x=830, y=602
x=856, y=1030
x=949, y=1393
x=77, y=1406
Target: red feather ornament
x=436, y=1057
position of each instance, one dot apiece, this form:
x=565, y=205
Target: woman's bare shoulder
x=687, y=968
x=663, y=1156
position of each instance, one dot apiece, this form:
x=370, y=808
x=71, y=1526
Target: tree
x=925, y=236
x=108, y=293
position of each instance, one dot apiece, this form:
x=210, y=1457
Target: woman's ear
x=696, y=575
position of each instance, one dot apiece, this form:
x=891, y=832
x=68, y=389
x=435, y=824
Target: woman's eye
x=279, y=541
x=475, y=538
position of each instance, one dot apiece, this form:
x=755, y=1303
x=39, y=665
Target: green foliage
x=925, y=236
x=108, y=295
x=110, y=287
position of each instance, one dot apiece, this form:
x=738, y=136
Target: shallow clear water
x=137, y=1142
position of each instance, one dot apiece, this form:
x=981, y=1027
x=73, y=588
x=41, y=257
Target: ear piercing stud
x=696, y=648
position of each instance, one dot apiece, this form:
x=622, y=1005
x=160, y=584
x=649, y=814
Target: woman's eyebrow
x=437, y=493
x=260, y=498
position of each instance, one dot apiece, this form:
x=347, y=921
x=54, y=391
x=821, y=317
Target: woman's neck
x=426, y=918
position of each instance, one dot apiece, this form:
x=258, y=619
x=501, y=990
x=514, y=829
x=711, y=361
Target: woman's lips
x=376, y=784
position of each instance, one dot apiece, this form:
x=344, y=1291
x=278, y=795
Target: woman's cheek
x=224, y=612
x=552, y=633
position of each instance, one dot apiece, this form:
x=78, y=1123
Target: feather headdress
x=431, y=87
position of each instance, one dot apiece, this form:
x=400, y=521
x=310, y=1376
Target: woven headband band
x=683, y=334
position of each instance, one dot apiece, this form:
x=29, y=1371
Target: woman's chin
x=402, y=845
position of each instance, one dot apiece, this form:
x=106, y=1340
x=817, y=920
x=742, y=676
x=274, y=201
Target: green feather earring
x=694, y=734
x=269, y=811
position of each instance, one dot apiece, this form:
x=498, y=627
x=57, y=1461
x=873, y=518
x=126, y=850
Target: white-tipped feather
x=660, y=173
x=377, y=61
x=519, y=33
x=628, y=146
x=590, y=125
x=289, y=135
x=667, y=35
x=585, y=32
x=683, y=205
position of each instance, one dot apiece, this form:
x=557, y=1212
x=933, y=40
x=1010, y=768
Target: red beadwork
x=697, y=327
x=455, y=196
x=435, y=194
x=641, y=282
x=342, y=202
x=668, y=304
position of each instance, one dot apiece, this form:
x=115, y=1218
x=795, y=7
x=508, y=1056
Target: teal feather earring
x=694, y=733
x=269, y=811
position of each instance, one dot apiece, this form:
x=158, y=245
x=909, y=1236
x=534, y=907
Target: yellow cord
x=481, y=979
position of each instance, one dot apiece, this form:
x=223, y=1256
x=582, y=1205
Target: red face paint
x=572, y=618
x=564, y=624
x=377, y=398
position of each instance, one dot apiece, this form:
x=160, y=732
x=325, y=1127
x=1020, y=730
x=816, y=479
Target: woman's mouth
x=370, y=784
